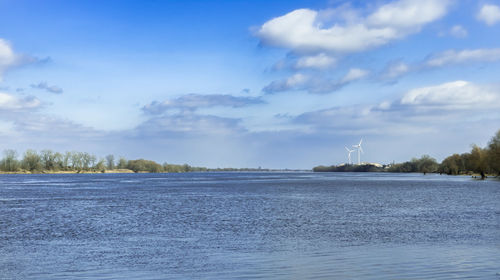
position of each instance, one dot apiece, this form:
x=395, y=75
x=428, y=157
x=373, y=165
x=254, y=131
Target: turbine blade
x=361, y=149
x=347, y=149
x=360, y=142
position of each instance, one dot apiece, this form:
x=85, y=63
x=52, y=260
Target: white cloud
x=293, y=82
x=191, y=123
x=10, y=102
x=452, y=104
x=490, y=14
x=315, y=84
x=320, y=61
x=452, y=95
x=449, y=57
x=298, y=31
x=408, y=13
x=453, y=57
x=458, y=31
x=302, y=30
x=354, y=74
x=10, y=59
x=395, y=69
x=192, y=102
x=7, y=57
x=385, y=105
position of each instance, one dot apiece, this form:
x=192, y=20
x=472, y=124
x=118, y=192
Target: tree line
x=482, y=161
x=479, y=160
x=50, y=161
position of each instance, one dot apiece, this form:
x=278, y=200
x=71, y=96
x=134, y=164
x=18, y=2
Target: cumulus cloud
x=45, y=86
x=458, y=31
x=452, y=95
x=306, y=30
x=9, y=102
x=490, y=14
x=318, y=39
x=420, y=109
x=192, y=102
x=455, y=57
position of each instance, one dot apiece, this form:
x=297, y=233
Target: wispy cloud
x=189, y=123
x=294, y=82
x=313, y=84
x=179, y=116
x=45, y=86
x=394, y=70
x=192, y=102
x=398, y=68
x=9, y=102
x=319, y=61
x=354, y=74
x=463, y=56
x=458, y=31
x=10, y=59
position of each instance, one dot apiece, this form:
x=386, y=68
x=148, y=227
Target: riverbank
x=69, y=171
x=119, y=171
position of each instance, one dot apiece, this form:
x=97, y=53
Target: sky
x=271, y=84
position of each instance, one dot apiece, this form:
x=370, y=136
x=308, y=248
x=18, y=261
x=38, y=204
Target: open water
x=248, y=226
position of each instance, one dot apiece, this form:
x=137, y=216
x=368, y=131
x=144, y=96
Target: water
x=249, y=225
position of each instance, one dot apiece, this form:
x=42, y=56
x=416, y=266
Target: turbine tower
x=349, y=155
x=360, y=150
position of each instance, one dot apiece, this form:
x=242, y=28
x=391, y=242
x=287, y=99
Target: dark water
x=249, y=225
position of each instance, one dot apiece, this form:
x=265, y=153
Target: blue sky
x=278, y=84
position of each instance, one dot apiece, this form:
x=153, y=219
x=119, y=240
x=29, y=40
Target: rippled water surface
x=248, y=225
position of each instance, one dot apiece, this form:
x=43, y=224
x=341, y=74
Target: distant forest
x=481, y=161
x=48, y=161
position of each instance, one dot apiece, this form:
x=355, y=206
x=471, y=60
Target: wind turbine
x=360, y=150
x=349, y=155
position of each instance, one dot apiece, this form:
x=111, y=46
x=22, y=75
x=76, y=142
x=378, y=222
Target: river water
x=248, y=226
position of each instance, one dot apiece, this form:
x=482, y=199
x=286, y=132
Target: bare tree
x=110, y=161
x=9, y=162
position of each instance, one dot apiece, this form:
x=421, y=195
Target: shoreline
x=129, y=171
x=114, y=171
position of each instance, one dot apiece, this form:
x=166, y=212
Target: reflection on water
x=248, y=225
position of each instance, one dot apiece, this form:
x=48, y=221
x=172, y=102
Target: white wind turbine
x=349, y=155
x=360, y=150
